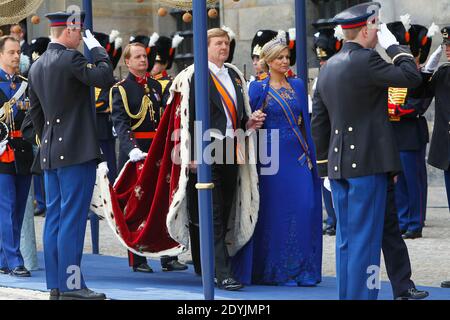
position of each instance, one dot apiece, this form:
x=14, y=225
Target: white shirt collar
x=216, y=69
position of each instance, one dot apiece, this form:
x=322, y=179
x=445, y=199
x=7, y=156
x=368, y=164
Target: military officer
x=355, y=144
x=135, y=103
x=439, y=87
x=406, y=108
x=64, y=119
x=326, y=44
x=165, y=54
x=16, y=156
x=37, y=48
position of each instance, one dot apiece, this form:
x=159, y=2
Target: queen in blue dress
x=286, y=248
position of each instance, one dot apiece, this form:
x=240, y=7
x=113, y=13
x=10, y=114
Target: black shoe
x=331, y=231
x=143, y=267
x=229, y=284
x=83, y=294
x=412, y=234
x=413, y=294
x=4, y=270
x=20, y=272
x=403, y=231
x=445, y=284
x=54, y=294
x=39, y=212
x=173, y=265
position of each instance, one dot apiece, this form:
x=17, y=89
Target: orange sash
x=227, y=100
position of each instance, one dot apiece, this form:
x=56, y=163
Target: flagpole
x=204, y=184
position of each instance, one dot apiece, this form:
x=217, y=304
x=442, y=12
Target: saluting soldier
x=135, y=103
x=64, y=119
x=439, y=88
x=406, y=108
x=16, y=157
x=355, y=144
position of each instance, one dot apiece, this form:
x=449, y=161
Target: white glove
x=327, y=184
x=3, y=146
x=385, y=37
x=103, y=167
x=137, y=155
x=90, y=40
x=433, y=61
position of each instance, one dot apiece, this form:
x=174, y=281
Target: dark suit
x=356, y=150
x=224, y=177
x=106, y=138
x=123, y=124
x=439, y=155
x=64, y=119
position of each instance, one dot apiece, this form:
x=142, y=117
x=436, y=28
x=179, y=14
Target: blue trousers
x=360, y=205
x=408, y=192
x=13, y=200
x=68, y=193
x=328, y=202
x=38, y=184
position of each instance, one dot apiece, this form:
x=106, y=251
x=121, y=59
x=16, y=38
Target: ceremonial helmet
x=38, y=46
x=326, y=44
x=165, y=49
x=112, y=44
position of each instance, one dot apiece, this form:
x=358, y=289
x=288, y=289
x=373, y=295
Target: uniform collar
x=350, y=45
x=57, y=46
x=5, y=76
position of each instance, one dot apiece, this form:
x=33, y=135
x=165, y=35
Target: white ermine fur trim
x=242, y=225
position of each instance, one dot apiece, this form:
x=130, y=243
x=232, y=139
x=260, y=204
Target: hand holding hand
x=256, y=121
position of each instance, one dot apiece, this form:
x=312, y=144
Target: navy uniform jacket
x=439, y=87
x=411, y=130
x=103, y=113
x=166, y=82
x=123, y=123
x=350, y=125
x=61, y=107
x=23, y=152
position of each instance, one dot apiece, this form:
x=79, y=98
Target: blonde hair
x=56, y=32
x=270, y=52
x=351, y=34
x=217, y=33
x=127, y=50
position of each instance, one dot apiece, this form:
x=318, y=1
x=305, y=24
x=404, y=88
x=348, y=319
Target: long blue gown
x=286, y=248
